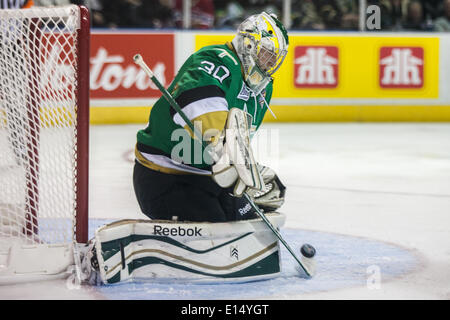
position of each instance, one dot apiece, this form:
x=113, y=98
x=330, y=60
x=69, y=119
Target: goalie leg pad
x=169, y=251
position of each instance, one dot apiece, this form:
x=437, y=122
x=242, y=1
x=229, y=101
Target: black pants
x=187, y=197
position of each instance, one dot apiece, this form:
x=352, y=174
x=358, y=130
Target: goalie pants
x=187, y=197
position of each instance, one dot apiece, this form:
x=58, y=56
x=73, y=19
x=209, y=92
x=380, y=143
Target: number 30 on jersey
x=220, y=73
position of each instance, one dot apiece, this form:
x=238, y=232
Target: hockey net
x=44, y=121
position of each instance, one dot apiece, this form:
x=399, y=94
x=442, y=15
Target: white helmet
x=261, y=44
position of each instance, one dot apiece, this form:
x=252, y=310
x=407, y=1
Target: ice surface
x=341, y=262
x=364, y=194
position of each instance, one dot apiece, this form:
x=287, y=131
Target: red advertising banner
x=316, y=67
x=57, y=61
x=401, y=67
x=113, y=74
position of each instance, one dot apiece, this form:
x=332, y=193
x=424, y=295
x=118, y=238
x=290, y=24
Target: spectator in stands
x=96, y=11
x=48, y=3
x=349, y=14
x=432, y=8
x=154, y=14
x=130, y=13
x=414, y=19
x=116, y=13
x=392, y=13
x=230, y=10
x=443, y=23
x=229, y=14
x=16, y=4
x=269, y=6
x=160, y=13
x=305, y=16
x=202, y=14
x=330, y=13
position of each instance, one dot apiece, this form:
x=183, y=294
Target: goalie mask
x=261, y=44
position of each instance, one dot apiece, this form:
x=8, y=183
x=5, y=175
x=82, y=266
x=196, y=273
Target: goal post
x=82, y=94
x=44, y=139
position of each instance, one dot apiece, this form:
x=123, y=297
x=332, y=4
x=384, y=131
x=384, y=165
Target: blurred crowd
x=395, y=15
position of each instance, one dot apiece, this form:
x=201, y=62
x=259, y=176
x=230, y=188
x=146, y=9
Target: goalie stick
x=307, y=268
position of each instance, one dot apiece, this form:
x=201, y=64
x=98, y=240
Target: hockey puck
x=307, y=251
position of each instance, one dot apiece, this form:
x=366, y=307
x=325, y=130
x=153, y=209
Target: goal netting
x=44, y=105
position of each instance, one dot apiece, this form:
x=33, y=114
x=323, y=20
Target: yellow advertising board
x=355, y=78
x=357, y=63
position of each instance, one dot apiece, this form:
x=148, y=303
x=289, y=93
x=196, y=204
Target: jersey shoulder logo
x=244, y=94
x=262, y=98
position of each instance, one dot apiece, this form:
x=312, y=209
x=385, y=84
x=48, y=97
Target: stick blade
x=307, y=266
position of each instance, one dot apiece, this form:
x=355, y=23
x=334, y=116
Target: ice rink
x=374, y=199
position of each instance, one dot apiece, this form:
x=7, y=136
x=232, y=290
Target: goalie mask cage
x=44, y=134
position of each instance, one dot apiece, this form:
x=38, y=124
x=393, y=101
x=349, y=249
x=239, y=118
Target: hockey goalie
x=193, y=165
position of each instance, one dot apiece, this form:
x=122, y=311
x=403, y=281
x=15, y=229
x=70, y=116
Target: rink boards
x=326, y=76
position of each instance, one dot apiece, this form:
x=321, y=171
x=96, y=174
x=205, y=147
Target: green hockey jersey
x=208, y=84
